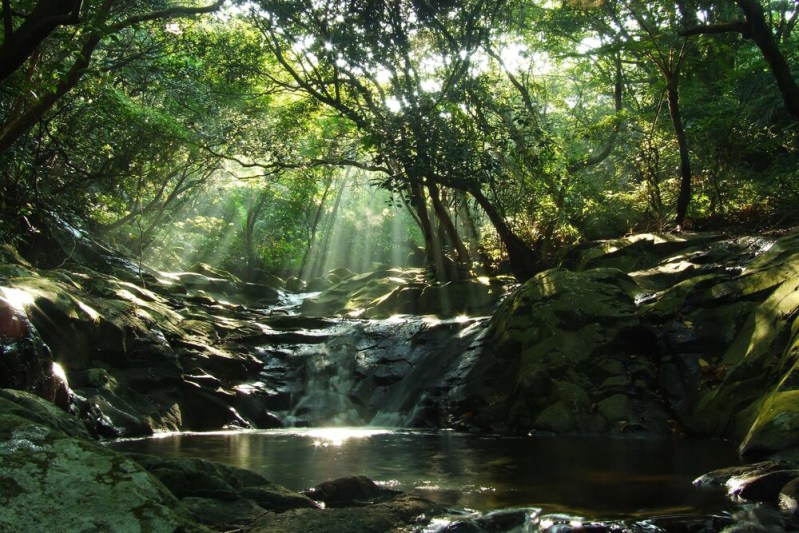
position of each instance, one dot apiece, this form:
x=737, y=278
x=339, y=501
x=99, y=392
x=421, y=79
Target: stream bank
x=648, y=336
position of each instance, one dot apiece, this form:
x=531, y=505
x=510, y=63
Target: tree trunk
x=524, y=261
x=20, y=125
x=317, y=263
x=253, y=213
x=18, y=45
x=315, y=225
x=684, y=197
x=434, y=258
x=760, y=32
x=757, y=29
x=446, y=222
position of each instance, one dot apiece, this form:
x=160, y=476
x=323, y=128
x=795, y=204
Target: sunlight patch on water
x=338, y=436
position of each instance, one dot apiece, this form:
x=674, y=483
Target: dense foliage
x=292, y=137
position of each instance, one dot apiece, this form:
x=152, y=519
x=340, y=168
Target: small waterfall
x=330, y=376
x=387, y=373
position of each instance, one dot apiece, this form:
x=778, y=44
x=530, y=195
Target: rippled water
x=598, y=477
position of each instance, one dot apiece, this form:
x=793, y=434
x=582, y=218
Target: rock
x=25, y=361
x=276, y=498
x=295, y=284
x=221, y=514
x=387, y=292
x=319, y=284
x=348, y=491
x=202, y=478
x=53, y=482
x=789, y=497
x=564, y=326
x=36, y=409
x=756, y=519
x=557, y=418
x=761, y=488
x=720, y=477
x=205, y=410
x=211, y=272
x=400, y=513
x=776, y=426
x=259, y=294
x=221, y=495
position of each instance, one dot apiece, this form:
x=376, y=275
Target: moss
x=776, y=426
x=67, y=484
x=557, y=418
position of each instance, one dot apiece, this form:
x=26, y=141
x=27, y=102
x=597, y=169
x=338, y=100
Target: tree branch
x=172, y=12
x=715, y=29
x=8, y=21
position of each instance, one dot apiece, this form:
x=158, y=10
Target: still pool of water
x=600, y=478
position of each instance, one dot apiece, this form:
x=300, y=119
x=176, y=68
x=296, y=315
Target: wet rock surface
x=53, y=482
x=648, y=335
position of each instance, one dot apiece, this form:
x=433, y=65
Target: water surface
x=597, y=477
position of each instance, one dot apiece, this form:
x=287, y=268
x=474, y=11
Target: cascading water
x=329, y=378
x=389, y=373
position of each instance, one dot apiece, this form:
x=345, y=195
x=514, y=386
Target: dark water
x=600, y=478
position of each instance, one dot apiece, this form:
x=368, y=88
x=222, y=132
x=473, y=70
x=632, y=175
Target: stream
x=602, y=478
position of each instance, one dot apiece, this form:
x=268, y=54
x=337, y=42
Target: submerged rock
x=349, y=491
x=400, y=513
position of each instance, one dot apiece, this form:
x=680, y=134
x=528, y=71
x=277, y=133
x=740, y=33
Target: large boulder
x=37, y=409
x=566, y=353
x=753, y=395
x=54, y=482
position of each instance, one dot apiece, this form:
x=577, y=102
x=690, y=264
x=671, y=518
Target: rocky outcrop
x=693, y=334
x=571, y=355
x=54, y=482
x=25, y=360
x=142, y=350
x=388, y=292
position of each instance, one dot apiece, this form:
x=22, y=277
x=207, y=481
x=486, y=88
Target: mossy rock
x=373, y=294
x=213, y=272
x=776, y=426
x=557, y=418
x=635, y=252
x=402, y=513
x=670, y=302
x=36, y=409
x=53, y=482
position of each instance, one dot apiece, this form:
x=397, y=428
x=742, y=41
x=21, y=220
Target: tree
x=392, y=70
x=20, y=43
x=755, y=27
x=103, y=22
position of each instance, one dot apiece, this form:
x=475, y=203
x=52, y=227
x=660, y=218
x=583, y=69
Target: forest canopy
x=292, y=137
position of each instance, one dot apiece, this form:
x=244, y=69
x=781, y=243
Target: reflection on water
x=604, y=478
